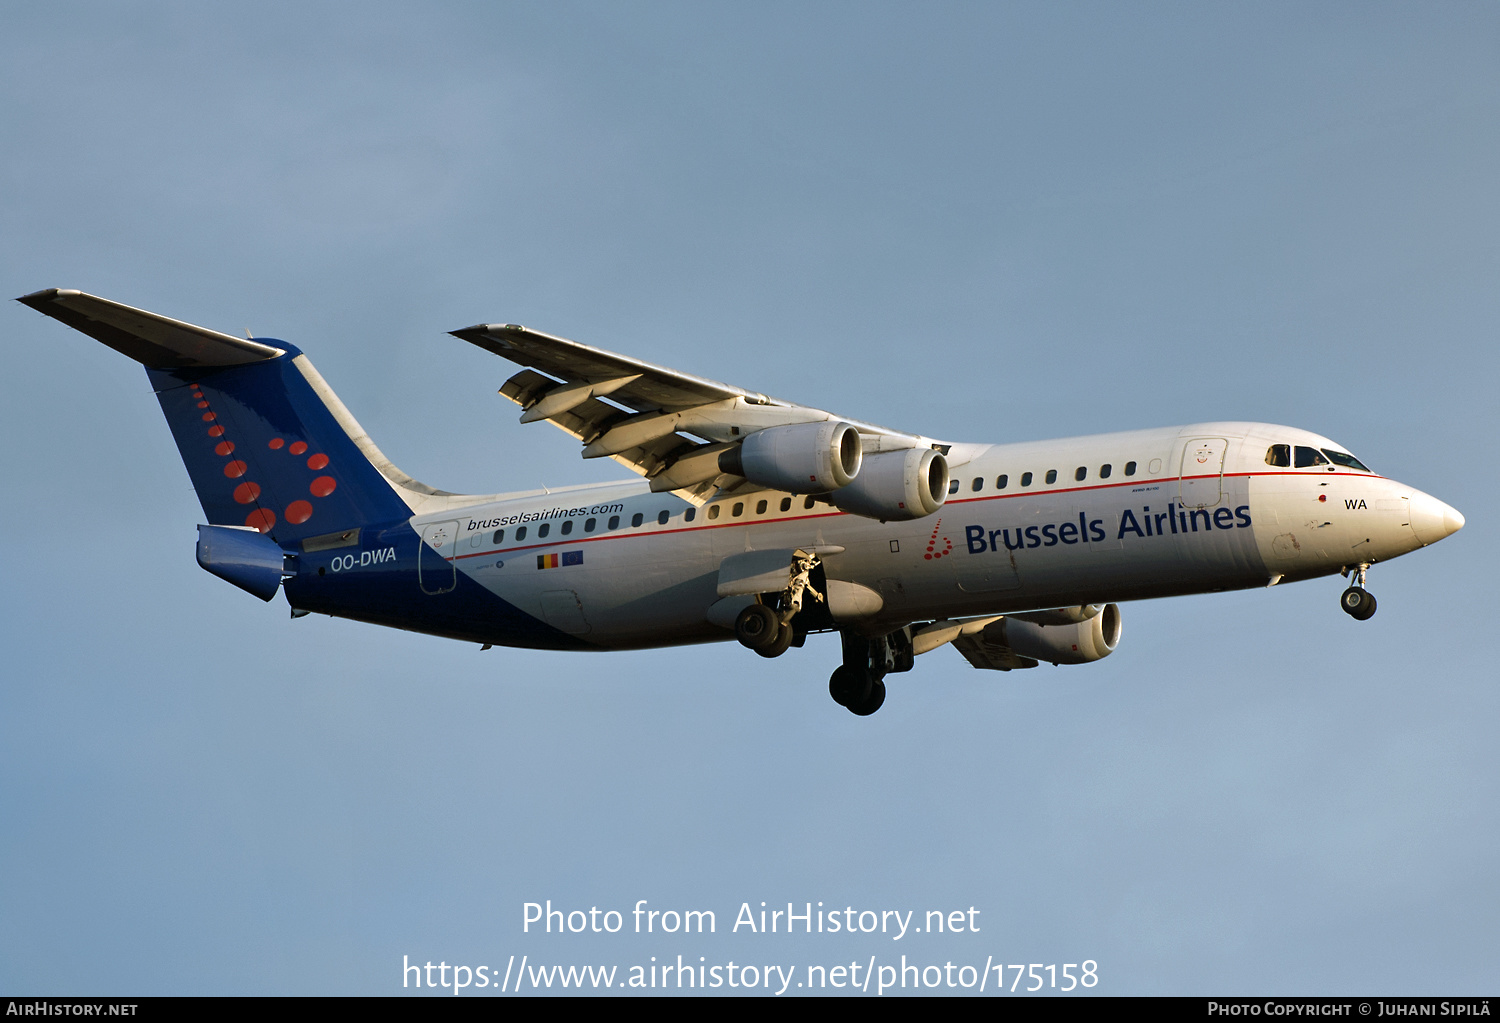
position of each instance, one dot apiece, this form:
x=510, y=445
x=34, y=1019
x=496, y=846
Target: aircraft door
x=436, y=572
x=564, y=611
x=1201, y=483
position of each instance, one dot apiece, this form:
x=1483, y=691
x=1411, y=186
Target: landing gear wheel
x=849, y=687
x=1357, y=603
x=757, y=627
x=870, y=704
x=783, y=641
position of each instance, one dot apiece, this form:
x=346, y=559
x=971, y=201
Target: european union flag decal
x=559, y=560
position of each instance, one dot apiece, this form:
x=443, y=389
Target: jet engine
x=1061, y=615
x=804, y=458
x=897, y=485
x=1074, y=643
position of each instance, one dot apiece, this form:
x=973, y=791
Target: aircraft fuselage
x=1084, y=520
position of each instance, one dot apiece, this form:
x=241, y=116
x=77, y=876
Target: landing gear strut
x=1358, y=602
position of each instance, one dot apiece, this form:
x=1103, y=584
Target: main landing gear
x=1358, y=602
x=859, y=683
x=859, y=689
x=768, y=631
x=761, y=629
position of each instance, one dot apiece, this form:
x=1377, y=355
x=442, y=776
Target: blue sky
x=975, y=221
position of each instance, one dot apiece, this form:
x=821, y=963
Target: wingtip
x=37, y=299
x=481, y=333
x=482, y=328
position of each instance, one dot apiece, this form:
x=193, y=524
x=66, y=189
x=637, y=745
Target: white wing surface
x=668, y=426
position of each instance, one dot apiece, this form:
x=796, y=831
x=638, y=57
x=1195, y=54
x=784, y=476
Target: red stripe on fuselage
x=622, y=535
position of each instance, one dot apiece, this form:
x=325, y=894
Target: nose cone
x=1432, y=520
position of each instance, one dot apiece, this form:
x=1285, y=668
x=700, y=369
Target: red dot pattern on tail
x=248, y=491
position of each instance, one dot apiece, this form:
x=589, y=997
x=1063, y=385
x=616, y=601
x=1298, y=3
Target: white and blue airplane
x=754, y=518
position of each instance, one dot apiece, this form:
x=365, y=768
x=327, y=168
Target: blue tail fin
x=265, y=442
x=264, y=450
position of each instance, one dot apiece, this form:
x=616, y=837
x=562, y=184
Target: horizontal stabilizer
x=155, y=341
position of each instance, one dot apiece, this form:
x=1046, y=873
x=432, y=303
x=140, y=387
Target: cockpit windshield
x=1309, y=457
x=1285, y=456
x=1348, y=461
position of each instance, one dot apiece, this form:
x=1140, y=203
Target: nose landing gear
x=1358, y=602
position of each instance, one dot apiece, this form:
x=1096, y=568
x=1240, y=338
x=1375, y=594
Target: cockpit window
x=1279, y=455
x=1308, y=457
x=1346, y=460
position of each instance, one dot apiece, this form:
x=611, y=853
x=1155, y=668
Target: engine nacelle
x=897, y=485
x=804, y=458
x=1061, y=615
x=1077, y=643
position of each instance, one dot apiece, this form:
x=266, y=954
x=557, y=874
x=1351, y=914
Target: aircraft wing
x=668, y=426
x=987, y=649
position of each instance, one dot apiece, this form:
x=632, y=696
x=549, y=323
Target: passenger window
x=661, y=519
x=1279, y=455
x=760, y=507
x=1129, y=468
x=690, y=515
x=637, y=519
x=713, y=511
x=1105, y=470
x=1308, y=457
x=1025, y=479
x=520, y=534
x=786, y=504
x=1051, y=475
x=614, y=522
x=499, y=536
x=978, y=484
x=953, y=486
x=544, y=529
x=567, y=527
x=1001, y=481
x=588, y=527
x=1080, y=474
x=738, y=509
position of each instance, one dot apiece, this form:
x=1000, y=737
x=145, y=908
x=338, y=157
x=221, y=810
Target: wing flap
x=987, y=649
